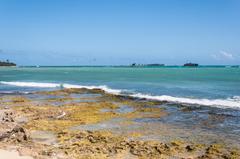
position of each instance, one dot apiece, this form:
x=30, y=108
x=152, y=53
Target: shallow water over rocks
x=44, y=137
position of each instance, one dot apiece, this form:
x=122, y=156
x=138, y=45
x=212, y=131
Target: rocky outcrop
x=10, y=130
x=7, y=117
x=17, y=134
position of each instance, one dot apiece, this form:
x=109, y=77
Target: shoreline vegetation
x=7, y=63
x=84, y=123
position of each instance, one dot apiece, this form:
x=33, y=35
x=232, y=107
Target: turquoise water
x=213, y=86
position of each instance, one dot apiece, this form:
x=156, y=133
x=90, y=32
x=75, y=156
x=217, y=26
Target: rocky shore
x=81, y=123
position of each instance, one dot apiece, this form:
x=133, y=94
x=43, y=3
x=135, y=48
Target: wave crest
x=221, y=103
x=56, y=85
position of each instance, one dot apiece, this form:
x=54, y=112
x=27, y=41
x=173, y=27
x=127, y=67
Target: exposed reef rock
x=16, y=134
x=36, y=126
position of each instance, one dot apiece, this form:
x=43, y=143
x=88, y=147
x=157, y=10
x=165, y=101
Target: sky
x=120, y=32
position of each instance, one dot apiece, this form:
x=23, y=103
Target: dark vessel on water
x=191, y=64
x=7, y=63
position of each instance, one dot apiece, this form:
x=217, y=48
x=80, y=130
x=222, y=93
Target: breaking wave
x=221, y=103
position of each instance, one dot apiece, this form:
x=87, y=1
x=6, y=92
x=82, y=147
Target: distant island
x=160, y=65
x=7, y=63
x=150, y=65
x=191, y=64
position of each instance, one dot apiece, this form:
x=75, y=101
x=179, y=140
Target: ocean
x=202, y=86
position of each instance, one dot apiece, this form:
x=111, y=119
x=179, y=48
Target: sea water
x=208, y=86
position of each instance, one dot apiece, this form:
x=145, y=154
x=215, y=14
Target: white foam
x=55, y=85
x=222, y=103
x=32, y=84
x=105, y=88
x=14, y=92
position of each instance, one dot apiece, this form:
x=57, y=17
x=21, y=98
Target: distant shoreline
x=166, y=66
x=7, y=63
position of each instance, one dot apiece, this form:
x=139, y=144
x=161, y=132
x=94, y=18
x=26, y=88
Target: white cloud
x=223, y=55
x=227, y=55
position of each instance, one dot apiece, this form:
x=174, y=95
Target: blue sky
x=116, y=32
